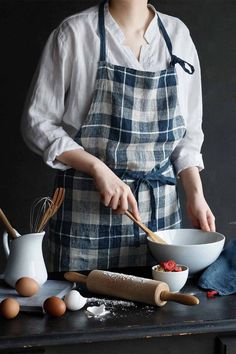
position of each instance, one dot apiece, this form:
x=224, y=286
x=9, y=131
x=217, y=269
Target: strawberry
x=168, y=266
x=212, y=293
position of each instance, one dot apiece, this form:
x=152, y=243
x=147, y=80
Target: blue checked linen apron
x=133, y=125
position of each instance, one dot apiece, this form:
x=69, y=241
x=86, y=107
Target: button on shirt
x=64, y=82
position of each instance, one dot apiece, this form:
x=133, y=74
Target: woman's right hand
x=113, y=191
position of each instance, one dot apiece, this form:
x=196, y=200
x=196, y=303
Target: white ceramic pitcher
x=24, y=258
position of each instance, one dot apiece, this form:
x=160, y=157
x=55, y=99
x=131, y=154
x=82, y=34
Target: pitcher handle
x=5, y=244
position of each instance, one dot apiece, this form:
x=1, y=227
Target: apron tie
x=184, y=64
x=152, y=179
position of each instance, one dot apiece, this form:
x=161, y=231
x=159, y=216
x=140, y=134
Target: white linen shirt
x=62, y=88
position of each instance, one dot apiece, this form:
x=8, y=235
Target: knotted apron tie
x=152, y=179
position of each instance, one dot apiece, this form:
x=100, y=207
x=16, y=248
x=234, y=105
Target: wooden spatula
x=7, y=225
x=149, y=232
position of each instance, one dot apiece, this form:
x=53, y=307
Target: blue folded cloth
x=221, y=275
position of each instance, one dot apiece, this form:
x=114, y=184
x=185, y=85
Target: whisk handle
x=43, y=219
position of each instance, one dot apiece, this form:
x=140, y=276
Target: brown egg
x=26, y=286
x=9, y=308
x=54, y=306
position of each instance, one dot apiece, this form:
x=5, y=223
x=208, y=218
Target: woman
x=105, y=109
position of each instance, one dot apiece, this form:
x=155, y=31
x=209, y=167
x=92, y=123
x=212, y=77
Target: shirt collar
x=114, y=28
x=111, y=24
x=153, y=28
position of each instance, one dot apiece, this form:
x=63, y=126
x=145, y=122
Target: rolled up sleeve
x=42, y=126
x=188, y=151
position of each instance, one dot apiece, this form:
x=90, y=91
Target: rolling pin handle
x=180, y=298
x=75, y=277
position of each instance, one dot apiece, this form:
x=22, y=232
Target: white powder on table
x=97, y=311
x=120, y=308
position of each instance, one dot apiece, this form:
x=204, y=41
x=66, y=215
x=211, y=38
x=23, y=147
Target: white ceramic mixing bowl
x=194, y=248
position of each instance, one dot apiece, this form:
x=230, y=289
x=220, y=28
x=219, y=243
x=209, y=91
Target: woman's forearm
x=81, y=160
x=113, y=191
x=191, y=182
x=198, y=210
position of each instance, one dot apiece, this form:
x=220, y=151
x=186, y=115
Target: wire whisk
x=37, y=210
x=44, y=208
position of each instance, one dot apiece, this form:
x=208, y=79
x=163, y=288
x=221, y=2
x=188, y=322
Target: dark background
x=25, y=26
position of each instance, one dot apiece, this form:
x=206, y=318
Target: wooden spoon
x=149, y=232
x=6, y=223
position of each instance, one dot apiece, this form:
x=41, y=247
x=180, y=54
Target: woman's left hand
x=200, y=214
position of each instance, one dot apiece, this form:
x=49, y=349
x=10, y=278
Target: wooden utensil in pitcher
x=149, y=232
x=6, y=223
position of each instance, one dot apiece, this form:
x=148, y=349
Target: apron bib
x=133, y=125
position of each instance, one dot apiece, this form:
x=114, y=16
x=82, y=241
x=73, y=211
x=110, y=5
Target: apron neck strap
x=188, y=68
x=174, y=59
x=102, y=32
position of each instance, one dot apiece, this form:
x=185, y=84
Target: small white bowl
x=175, y=280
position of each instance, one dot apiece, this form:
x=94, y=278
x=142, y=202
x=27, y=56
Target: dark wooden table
x=209, y=327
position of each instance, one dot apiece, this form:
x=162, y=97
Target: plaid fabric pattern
x=140, y=119
x=133, y=125
x=87, y=235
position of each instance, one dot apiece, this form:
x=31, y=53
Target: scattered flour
x=120, y=308
x=97, y=311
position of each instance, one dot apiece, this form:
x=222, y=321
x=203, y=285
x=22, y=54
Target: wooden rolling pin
x=130, y=287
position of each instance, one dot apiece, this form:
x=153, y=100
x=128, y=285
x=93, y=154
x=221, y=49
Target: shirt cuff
x=59, y=146
x=184, y=162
